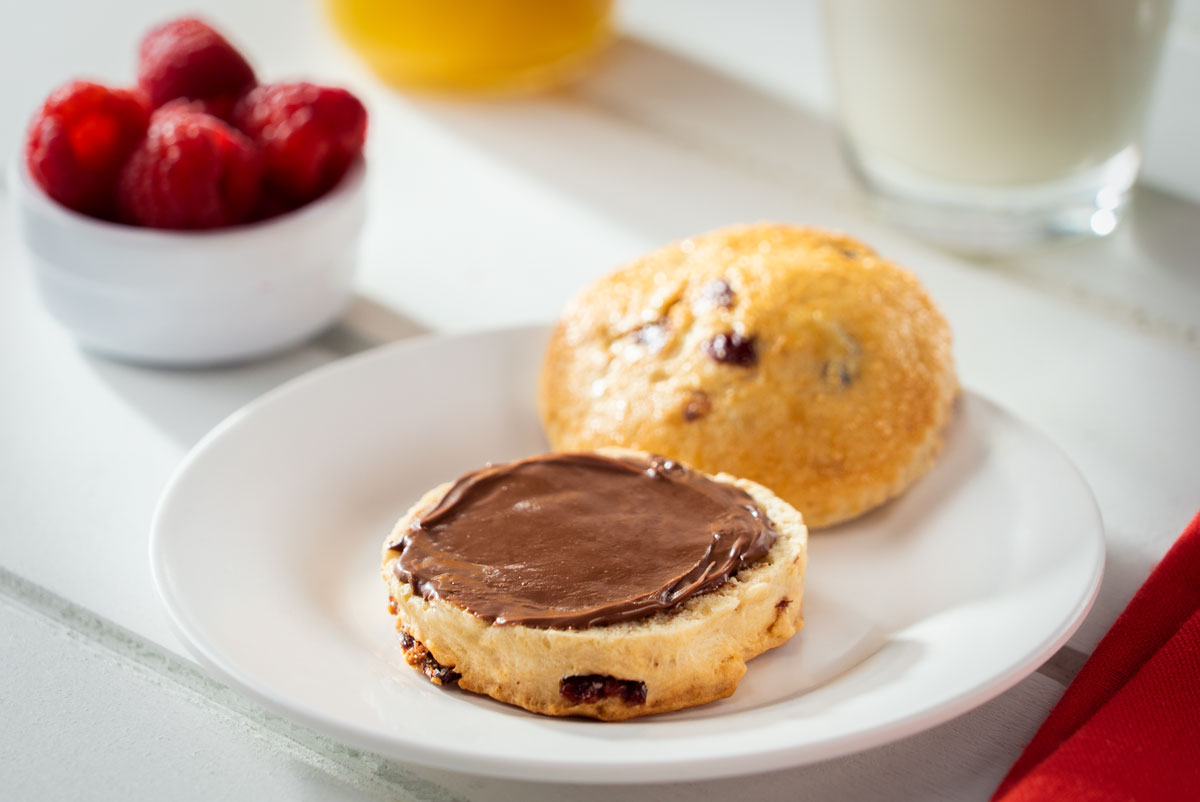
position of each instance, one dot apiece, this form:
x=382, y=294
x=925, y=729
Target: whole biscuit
x=794, y=357
x=690, y=655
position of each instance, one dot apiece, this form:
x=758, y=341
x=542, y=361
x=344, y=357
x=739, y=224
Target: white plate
x=265, y=550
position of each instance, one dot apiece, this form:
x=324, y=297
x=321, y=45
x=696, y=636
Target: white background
x=492, y=213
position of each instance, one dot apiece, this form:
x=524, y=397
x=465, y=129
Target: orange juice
x=474, y=45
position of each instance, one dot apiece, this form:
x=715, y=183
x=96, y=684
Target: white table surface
x=492, y=213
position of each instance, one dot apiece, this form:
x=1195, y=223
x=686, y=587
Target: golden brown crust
x=842, y=408
x=689, y=656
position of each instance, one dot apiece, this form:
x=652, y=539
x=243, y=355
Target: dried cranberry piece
x=587, y=688
x=697, y=406
x=417, y=656
x=731, y=348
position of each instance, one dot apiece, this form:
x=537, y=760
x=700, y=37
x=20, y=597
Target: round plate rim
x=555, y=770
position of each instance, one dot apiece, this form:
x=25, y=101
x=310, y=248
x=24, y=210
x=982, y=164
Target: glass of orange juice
x=474, y=45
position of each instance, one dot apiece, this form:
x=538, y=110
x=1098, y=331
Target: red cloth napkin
x=1128, y=728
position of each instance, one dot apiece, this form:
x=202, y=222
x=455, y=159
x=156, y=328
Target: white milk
x=993, y=92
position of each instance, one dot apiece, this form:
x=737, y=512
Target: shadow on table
x=1165, y=227
x=186, y=403
x=661, y=143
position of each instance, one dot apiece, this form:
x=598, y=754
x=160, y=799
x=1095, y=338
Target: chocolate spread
x=578, y=540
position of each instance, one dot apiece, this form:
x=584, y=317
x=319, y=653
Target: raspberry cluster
x=199, y=143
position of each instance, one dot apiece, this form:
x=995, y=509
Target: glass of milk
x=989, y=125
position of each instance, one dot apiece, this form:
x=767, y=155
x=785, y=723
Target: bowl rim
x=30, y=194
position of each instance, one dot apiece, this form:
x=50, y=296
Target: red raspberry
x=191, y=171
x=187, y=58
x=308, y=135
x=80, y=139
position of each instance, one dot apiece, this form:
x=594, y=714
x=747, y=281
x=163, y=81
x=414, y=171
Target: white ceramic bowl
x=193, y=298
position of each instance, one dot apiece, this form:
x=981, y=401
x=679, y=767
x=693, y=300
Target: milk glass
x=990, y=125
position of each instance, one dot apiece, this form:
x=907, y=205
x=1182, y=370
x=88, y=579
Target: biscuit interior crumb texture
x=692, y=654
x=794, y=357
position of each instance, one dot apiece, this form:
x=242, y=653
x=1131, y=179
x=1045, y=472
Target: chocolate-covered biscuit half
x=611, y=584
